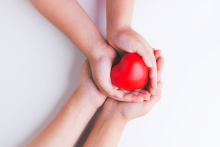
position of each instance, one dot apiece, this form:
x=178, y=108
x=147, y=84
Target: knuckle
x=159, y=96
x=98, y=82
x=110, y=93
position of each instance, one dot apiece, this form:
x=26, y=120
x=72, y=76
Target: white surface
x=40, y=68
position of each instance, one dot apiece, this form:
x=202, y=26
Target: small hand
x=131, y=110
x=127, y=40
x=101, y=67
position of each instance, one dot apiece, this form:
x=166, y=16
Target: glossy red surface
x=131, y=73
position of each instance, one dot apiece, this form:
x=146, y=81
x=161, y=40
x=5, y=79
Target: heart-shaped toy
x=131, y=73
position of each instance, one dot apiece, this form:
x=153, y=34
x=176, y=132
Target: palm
x=127, y=40
x=131, y=110
x=101, y=68
x=89, y=87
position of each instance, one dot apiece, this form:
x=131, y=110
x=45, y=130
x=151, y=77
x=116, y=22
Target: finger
x=142, y=93
x=128, y=97
x=134, y=92
x=146, y=52
x=149, y=59
x=125, y=91
x=109, y=91
x=137, y=90
x=115, y=87
x=152, y=69
x=106, y=87
x=142, y=48
x=101, y=76
x=157, y=54
x=160, y=65
x=145, y=92
x=148, y=105
x=152, y=80
x=145, y=96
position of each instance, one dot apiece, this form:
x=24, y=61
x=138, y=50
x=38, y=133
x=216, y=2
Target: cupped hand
x=131, y=110
x=88, y=87
x=101, y=67
x=127, y=40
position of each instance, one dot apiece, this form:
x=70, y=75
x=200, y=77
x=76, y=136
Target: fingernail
x=119, y=96
x=161, y=86
x=149, y=63
x=115, y=87
x=148, y=98
x=153, y=92
x=141, y=100
x=125, y=91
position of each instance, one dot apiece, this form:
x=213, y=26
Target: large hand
x=88, y=87
x=127, y=40
x=131, y=110
x=101, y=67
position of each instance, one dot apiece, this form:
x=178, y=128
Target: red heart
x=131, y=73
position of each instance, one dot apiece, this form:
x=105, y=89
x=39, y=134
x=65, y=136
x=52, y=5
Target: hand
x=128, y=110
x=101, y=65
x=88, y=87
x=127, y=40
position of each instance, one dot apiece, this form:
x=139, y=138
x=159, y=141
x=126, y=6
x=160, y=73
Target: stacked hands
x=95, y=88
x=132, y=104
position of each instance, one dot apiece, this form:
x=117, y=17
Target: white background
x=40, y=69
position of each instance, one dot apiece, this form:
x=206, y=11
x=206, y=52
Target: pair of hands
x=122, y=41
x=124, y=110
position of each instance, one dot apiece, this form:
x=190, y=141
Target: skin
x=66, y=127
x=124, y=39
x=70, y=18
x=95, y=84
x=115, y=115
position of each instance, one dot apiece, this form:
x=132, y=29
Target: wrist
x=81, y=98
x=113, y=33
x=107, y=130
x=114, y=117
x=104, y=52
x=96, y=50
x=90, y=97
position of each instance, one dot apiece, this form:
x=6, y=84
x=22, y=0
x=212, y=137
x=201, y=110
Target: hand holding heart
x=101, y=67
x=131, y=73
x=131, y=110
x=126, y=40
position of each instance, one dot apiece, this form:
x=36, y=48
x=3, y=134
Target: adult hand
x=88, y=87
x=131, y=110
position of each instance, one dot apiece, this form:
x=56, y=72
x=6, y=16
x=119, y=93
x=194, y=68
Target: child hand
x=129, y=110
x=101, y=65
x=127, y=40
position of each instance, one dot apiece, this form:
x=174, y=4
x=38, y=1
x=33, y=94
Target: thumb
x=146, y=52
x=111, y=91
